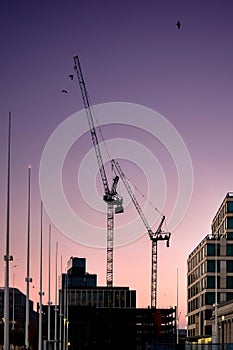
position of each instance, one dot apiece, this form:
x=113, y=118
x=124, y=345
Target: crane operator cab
x=118, y=204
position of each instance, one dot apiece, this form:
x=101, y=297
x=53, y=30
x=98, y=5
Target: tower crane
x=111, y=197
x=156, y=236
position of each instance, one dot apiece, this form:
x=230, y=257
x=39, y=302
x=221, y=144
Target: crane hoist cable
x=146, y=199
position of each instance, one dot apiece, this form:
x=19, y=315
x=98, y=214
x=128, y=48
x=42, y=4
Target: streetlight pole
x=177, y=309
x=28, y=279
x=215, y=335
x=56, y=309
x=65, y=312
x=67, y=319
x=40, y=292
x=13, y=302
x=60, y=313
x=7, y=256
x=49, y=302
x=13, y=297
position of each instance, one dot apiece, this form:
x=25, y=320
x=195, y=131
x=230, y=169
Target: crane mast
x=156, y=236
x=114, y=202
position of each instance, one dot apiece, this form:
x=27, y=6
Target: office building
x=80, y=289
x=210, y=262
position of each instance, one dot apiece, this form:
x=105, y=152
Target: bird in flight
x=65, y=91
x=71, y=76
x=178, y=24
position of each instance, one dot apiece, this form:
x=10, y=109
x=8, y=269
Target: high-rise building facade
x=210, y=262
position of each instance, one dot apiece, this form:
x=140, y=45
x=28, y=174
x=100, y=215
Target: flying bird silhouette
x=65, y=91
x=71, y=76
x=178, y=24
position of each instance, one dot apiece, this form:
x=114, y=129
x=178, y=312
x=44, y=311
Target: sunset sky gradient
x=130, y=51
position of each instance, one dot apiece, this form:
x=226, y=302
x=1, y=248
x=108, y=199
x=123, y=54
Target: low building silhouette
x=17, y=312
x=97, y=317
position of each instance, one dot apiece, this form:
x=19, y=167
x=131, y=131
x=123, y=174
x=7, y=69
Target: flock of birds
x=71, y=76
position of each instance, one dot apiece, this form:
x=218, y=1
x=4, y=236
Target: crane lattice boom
x=114, y=202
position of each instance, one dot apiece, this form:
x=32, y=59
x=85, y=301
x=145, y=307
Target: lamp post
x=13, y=299
x=67, y=334
x=41, y=293
x=28, y=279
x=67, y=317
x=60, y=314
x=56, y=308
x=13, y=303
x=223, y=333
x=7, y=256
x=49, y=301
x=177, y=309
x=215, y=333
x=65, y=313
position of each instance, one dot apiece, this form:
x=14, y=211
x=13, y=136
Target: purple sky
x=130, y=51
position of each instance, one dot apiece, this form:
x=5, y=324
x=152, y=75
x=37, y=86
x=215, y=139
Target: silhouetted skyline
x=130, y=52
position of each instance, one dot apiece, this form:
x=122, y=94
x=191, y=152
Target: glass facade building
x=210, y=272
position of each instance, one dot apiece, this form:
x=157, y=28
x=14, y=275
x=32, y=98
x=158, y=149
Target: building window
x=78, y=297
x=229, y=235
x=210, y=282
x=229, y=296
x=230, y=249
x=229, y=265
x=116, y=298
x=210, y=298
x=122, y=298
x=230, y=282
x=230, y=222
x=211, y=249
x=94, y=297
x=230, y=207
x=100, y=298
x=208, y=330
x=211, y=266
x=89, y=297
x=208, y=314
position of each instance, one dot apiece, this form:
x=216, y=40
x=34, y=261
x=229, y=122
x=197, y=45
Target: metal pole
x=67, y=316
x=7, y=257
x=60, y=312
x=65, y=312
x=216, y=291
x=13, y=303
x=13, y=299
x=56, y=309
x=177, y=308
x=49, y=302
x=40, y=292
x=67, y=335
x=28, y=279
